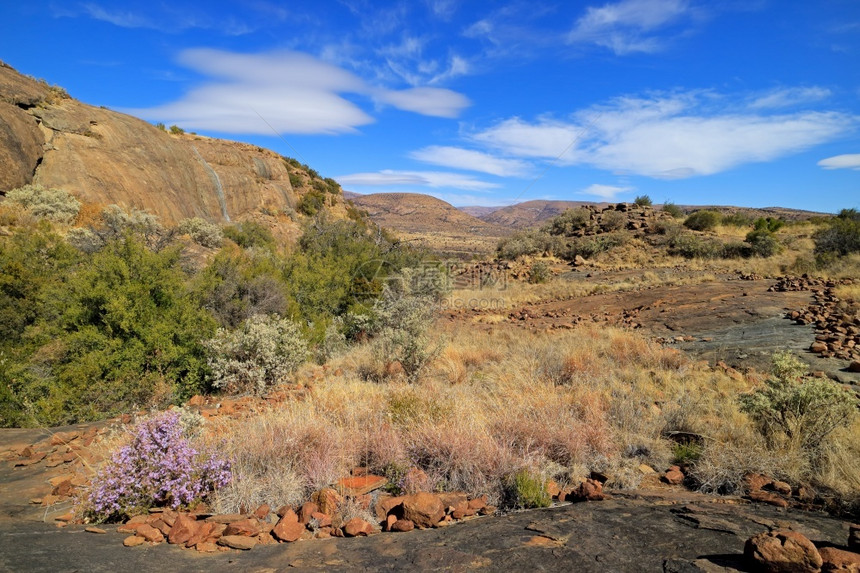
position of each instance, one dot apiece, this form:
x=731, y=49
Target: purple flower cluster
x=158, y=468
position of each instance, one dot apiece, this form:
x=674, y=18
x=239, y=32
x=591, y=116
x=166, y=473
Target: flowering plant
x=160, y=467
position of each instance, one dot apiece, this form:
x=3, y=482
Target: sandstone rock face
x=105, y=157
x=783, y=552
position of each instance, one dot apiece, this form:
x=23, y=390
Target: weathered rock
x=768, y=497
x=360, y=485
x=150, y=533
x=237, y=542
x=423, y=509
x=184, y=527
x=835, y=559
x=357, y=527
x=783, y=551
x=133, y=541
x=402, y=525
x=589, y=490
x=92, y=529
x=248, y=527
x=780, y=487
x=385, y=504
x=854, y=366
x=673, y=476
x=203, y=531
x=263, y=511
x=755, y=482
x=328, y=500
x=306, y=512
x=322, y=520
x=288, y=527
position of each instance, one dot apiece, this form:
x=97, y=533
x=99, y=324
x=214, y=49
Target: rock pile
x=784, y=550
x=837, y=324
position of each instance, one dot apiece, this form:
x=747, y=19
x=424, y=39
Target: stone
x=854, y=366
x=248, y=527
x=184, y=527
x=204, y=531
x=839, y=560
x=783, y=551
x=423, y=509
x=589, y=490
x=818, y=347
x=150, y=533
x=288, y=527
x=769, y=498
x=415, y=480
x=242, y=542
x=780, y=487
x=226, y=517
x=854, y=537
x=161, y=526
x=755, y=482
x=674, y=476
x=328, y=500
x=206, y=547
x=133, y=541
x=360, y=485
x=306, y=511
x=263, y=511
x=385, y=504
x=478, y=503
x=357, y=527
x=402, y=526
x=322, y=520
x=92, y=529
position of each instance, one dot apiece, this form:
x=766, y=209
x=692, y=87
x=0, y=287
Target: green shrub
x=805, y=411
x=52, y=204
x=589, y=247
x=569, y=222
x=768, y=224
x=311, y=202
x=527, y=243
x=673, y=210
x=202, y=232
x=333, y=186
x=249, y=234
x=176, y=130
x=687, y=452
x=703, y=221
x=693, y=247
x=525, y=491
x=539, y=272
x=260, y=354
x=612, y=221
x=643, y=201
x=762, y=243
x=840, y=237
x=737, y=220
x=296, y=181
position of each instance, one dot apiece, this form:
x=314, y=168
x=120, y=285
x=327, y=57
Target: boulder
x=307, y=510
x=150, y=533
x=288, y=527
x=589, y=490
x=242, y=542
x=402, y=526
x=674, y=476
x=360, y=485
x=839, y=560
x=248, y=527
x=184, y=528
x=423, y=509
x=769, y=498
x=783, y=551
x=328, y=500
x=357, y=527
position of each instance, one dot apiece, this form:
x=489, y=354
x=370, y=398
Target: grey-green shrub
x=46, y=203
x=202, y=232
x=260, y=353
x=703, y=220
x=803, y=410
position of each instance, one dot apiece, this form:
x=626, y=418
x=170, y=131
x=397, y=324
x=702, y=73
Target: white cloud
x=628, y=26
x=292, y=91
x=667, y=137
x=171, y=19
x=846, y=161
x=788, y=97
x=459, y=158
x=431, y=179
x=606, y=192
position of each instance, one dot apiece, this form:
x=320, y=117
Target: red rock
x=328, y=500
x=357, y=527
x=385, y=504
x=263, y=511
x=360, y=485
x=133, y=541
x=168, y=516
x=161, y=526
x=402, y=525
x=288, y=527
x=242, y=542
x=839, y=560
x=783, y=551
x=206, y=547
x=423, y=509
x=589, y=490
x=184, y=527
x=552, y=489
x=196, y=400
x=150, y=533
x=138, y=519
x=322, y=519
x=65, y=517
x=818, y=347
x=854, y=366
x=755, y=482
x=248, y=527
x=389, y=521
x=769, y=498
x=674, y=476
x=780, y=487
x=478, y=503
x=307, y=510
x=461, y=510
x=226, y=517
x=203, y=531
x=92, y=529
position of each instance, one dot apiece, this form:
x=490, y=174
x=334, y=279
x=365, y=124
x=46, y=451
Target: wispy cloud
x=168, y=19
x=432, y=179
x=628, y=26
x=667, y=136
x=605, y=192
x=789, y=97
x=471, y=160
x=846, y=161
x=294, y=92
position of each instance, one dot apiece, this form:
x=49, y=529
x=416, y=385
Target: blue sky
x=753, y=103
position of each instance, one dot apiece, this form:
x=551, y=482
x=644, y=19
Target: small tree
x=261, y=353
x=643, y=201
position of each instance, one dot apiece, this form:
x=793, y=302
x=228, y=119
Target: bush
x=526, y=243
x=296, y=181
x=526, y=491
x=158, y=468
x=569, y=222
x=311, y=202
x=703, y=221
x=612, y=221
x=53, y=204
x=763, y=243
x=673, y=210
x=805, y=411
x=768, y=224
x=693, y=247
x=249, y=234
x=176, y=130
x=259, y=354
x=841, y=236
x=539, y=272
x=737, y=220
x=643, y=201
x=202, y=232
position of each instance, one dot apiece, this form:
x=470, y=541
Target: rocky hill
x=105, y=157
x=531, y=213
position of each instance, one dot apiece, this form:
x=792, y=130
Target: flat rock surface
x=638, y=531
